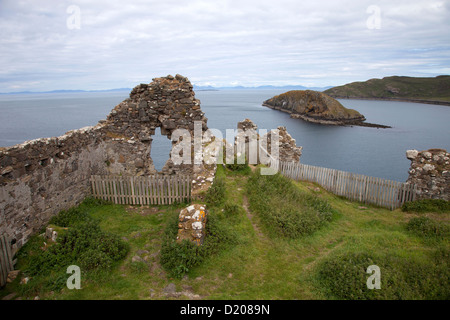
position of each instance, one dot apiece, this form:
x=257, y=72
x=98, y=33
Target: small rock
x=427, y=155
x=412, y=154
x=24, y=280
x=170, y=288
x=137, y=235
x=171, y=291
x=137, y=259
x=12, y=275
x=9, y=296
x=7, y=170
x=141, y=252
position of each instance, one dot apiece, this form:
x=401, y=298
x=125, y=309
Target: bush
x=180, y=257
x=215, y=195
x=241, y=168
x=70, y=217
x=427, y=205
x=83, y=244
x=426, y=227
x=230, y=209
x=345, y=277
x=76, y=215
x=285, y=210
x=92, y=259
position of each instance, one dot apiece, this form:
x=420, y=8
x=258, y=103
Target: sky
x=104, y=44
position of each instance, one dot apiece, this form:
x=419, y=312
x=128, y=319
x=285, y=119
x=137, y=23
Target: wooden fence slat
x=6, y=264
x=151, y=190
x=358, y=187
x=154, y=191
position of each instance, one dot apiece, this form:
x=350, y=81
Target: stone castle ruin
x=41, y=177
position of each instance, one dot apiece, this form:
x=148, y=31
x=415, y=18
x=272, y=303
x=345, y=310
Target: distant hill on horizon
x=415, y=89
x=67, y=91
x=266, y=87
x=196, y=88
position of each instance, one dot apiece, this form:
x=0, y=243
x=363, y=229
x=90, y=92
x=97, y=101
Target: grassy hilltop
x=402, y=88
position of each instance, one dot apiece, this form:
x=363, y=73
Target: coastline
x=435, y=102
x=349, y=122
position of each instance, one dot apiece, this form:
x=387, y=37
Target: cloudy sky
x=103, y=44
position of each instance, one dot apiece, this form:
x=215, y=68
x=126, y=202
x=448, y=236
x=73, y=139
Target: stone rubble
x=430, y=172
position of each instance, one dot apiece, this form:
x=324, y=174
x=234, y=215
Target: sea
x=364, y=150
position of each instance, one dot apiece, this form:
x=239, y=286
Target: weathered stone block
x=192, y=223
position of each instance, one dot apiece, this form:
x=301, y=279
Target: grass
x=257, y=262
x=436, y=88
x=427, y=205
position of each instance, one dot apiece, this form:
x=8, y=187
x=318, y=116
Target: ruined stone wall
x=43, y=176
x=287, y=149
x=430, y=171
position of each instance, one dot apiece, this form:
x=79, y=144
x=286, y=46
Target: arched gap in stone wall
x=160, y=151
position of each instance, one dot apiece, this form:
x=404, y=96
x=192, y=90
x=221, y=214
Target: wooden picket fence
x=6, y=262
x=378, y=191
x=142, y=190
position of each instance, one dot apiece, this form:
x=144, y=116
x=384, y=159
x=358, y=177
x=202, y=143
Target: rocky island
x=317, y=107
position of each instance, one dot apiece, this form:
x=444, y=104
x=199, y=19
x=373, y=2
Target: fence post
x=6, y=264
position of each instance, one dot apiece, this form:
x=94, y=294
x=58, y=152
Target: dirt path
x=250, y=217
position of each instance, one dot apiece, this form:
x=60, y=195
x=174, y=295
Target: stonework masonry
x=41, y=177
x=247, y=130
x=430, y=172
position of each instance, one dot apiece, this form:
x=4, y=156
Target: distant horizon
x=195, y=88
x=206, y=87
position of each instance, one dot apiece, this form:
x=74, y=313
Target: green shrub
x=426, y=227
x=285, y=210
x=84, y=244
x=231, y=209
x=78, y=214
x=215, y=195
x=241, y=168
x=70, y=217
x=180, y=257
x=427, y=205
x=91, y=259
x=345, y=277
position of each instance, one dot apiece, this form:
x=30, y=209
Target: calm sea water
x=370, y=151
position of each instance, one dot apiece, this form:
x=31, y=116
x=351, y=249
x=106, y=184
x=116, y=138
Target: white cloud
x=121, y=43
